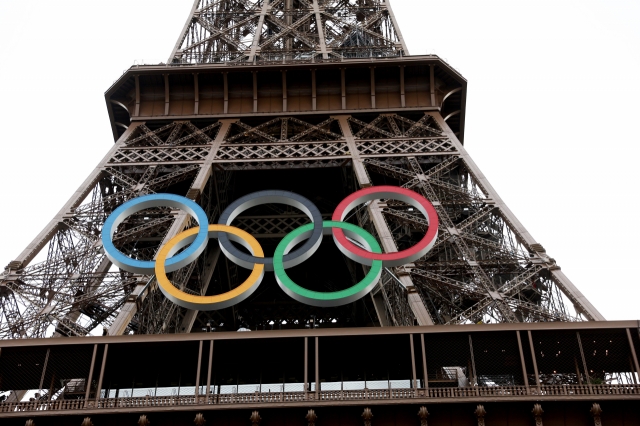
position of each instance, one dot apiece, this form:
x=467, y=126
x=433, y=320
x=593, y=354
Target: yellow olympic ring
x=218, y=301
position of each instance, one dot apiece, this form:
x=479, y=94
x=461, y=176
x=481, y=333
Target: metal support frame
x=317, y=368
x=423, y=155
x=102, y=368
x=535, y=362
x=634, y=355
x=424, y=362
x=413, y=363
x=284, y=90
x=196, y=94
x=319, y=30
x=522, y=362
x=373, y=86
x=386, y=237
x=306, y=364
x=484, y=266
x=198, y=368
x=567, y=287
x=88, y=383
x=209, y=368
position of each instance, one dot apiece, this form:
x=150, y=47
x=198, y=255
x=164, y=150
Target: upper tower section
x=256, y=31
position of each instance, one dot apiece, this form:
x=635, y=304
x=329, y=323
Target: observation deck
x=505, y=363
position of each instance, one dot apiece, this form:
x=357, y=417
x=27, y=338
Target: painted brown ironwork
x=287, y=30
x=286, y=86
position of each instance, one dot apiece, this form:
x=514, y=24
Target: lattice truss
x=287, y=30
x=480, y=270
x=74, y=289
x=289, y=142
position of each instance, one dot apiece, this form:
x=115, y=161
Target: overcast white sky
x=551, y=112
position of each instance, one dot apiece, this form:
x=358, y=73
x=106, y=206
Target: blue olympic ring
x=147, y=201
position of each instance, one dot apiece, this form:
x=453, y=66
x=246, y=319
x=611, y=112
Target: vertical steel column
x=343, y=89
x=136, y=112
x=306, y=366
x=424, y=363
x=104, y=363
x=584, y=361
x=317, y=370
x=578, y=375
x=403, y=102
x=384, y=233
x=196, y=94
x=535, y=363
x=284, y=90
x=166, y=94
x=634, y=356
x=313, y=90
x=522, y=362
x=88, y=383
x=473, y=362
x=44, y=368
x=255, y=91
x=197, y=391
x=209, y=368
x=373, y=86
x=225, y=90
x=432, y=85
x=413, y=362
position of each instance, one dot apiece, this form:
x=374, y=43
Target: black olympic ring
x=294, y=258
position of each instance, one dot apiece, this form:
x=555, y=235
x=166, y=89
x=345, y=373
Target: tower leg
x=420, y=313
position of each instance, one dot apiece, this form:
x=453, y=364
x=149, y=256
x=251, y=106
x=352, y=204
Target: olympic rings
x=265, y=197
x=333, y=298
x=145, y=202
x=220, y=301
x=360, y=255
x=194, y=241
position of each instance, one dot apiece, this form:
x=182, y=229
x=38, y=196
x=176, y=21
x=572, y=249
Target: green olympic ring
x=331, y=298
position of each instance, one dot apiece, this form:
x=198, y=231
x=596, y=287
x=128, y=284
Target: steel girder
x=484, y=266
x=257, y=31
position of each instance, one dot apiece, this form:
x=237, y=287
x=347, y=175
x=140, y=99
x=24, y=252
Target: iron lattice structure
x=212, y=131
x=280, y=30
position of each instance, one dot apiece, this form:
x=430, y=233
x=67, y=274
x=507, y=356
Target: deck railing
x=542, y=391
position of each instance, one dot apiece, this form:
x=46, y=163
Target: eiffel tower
x=319, y=97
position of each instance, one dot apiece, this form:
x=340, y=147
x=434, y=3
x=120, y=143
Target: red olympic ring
x=387, y=192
